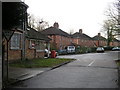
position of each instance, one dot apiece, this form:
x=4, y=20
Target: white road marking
x=91, y=63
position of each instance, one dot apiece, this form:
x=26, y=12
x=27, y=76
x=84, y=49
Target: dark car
x=62, y=52
x=116, y=49
x=100, y=49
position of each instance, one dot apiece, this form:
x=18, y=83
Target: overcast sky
x=71, y=14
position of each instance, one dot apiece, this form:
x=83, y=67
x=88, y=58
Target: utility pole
x=24, y=20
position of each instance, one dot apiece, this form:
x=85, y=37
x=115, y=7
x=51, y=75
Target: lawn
x=36, y=63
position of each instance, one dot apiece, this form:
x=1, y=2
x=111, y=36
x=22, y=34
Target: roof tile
x=33, y=34
x=54, y=31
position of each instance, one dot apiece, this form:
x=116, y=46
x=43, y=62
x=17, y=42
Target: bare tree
x=31, y=20
x=41, y=24
x=108, y=28
x=37, y=23
x=110, y=25
x=113, y=14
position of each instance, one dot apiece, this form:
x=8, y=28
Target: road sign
x=8, y=34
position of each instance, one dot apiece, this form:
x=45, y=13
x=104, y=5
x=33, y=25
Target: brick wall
x=100, y=43
x=60, y=42
x=30, y=53
x=17, y=54
x=83, y=42
x=114, y=43
x=12, y=53
x=76, y=41
x=40, y=54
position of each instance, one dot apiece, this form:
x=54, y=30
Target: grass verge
x=36, y=63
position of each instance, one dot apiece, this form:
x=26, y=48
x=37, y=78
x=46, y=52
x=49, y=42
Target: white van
x=70, y=49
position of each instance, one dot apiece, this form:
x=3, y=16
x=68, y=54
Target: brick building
x=60, y=39
x=99, y=40
x=82, y=39
x=36, y=43
x=14, y=46
x=14, y=26
x=115, y=42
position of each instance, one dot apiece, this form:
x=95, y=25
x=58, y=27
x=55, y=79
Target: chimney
x=99, y=34
x=56, y=25
x=80, y=31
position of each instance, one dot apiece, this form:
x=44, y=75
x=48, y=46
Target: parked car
x=70, y=49
x=100, y=49
x=116, y=49
x=62, y=52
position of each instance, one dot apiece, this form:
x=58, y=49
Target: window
x=32, y=44
x=37, y=44
x=15, y=41
x=40, y=46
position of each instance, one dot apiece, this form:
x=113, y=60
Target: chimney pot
x=99, y=34
x=56, y=25
x=80, y=31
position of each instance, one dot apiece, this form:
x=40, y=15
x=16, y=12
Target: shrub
x=108, y=48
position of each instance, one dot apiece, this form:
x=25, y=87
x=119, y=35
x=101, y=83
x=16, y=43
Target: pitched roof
x=98, y=38
x=81, y=35
x=116, y=40
x=33, y=34
x=54, y=31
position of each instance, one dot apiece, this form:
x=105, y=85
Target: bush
x=93, y=49
x=83, y=50
x=108, y=48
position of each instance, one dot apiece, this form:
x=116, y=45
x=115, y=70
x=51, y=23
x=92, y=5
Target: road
x=93, y=70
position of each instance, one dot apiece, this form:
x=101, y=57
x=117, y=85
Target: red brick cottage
x=115, y=42
x=60, y=39
x=82, y=39
x=99, y=40
x=36, y=43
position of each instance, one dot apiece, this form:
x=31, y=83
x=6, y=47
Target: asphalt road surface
x=93, y=70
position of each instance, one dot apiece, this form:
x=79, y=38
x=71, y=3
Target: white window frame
x=15, y=40
x=39, y=42
x=30, y=44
